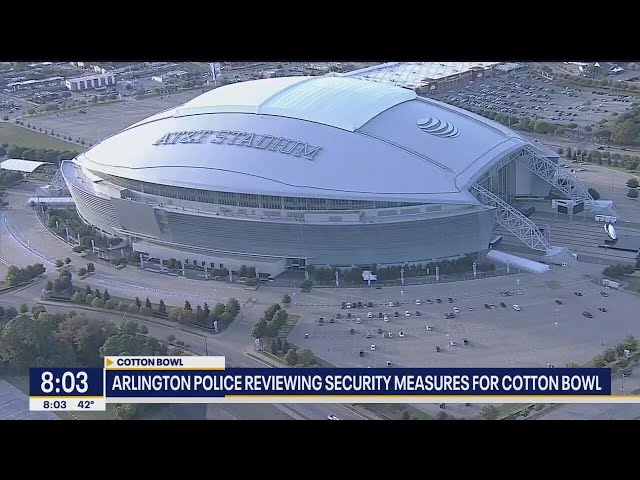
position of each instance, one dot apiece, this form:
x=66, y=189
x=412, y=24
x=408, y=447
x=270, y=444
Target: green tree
x=279, y=344
x=632, y=193
x=594, y=193
x=187, y=306
x=123, y=306
x=91, y=267
x=88, y=290
x=9, y=314
x=199, y=314
x=59, y=263
x=171, y=338
x=97, y=302
x=285, y=345
x=82, y=272
x=243, y=271
x=489, y=412
x=630, y=343
x=205, y=310
x=89, y=298
x=291, y=357
x=147, y=312
x=232, y=307
x=36, y=310
x=147, y=303
x=162, y=308
x=67, y=261
x=106, y=295
x=274, y=348
x=218, y=310
x=96, y=293
x=111, y=304
x=259, y=329
x=572, y=365
x=138, y=303
x=633, y=182
x=286, y=300
x=305, y=356
x=24, y=308
x=133, y=308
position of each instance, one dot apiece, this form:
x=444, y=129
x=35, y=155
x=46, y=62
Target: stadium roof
x=376, y=141
x=25, y=166
x=413, y=74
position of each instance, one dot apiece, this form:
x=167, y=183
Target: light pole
x=206, y=346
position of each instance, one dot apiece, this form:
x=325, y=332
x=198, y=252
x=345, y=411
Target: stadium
x=333, y=170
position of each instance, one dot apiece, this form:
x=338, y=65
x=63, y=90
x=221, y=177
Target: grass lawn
x=14, y=135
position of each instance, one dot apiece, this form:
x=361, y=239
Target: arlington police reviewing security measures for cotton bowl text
x=337, y=384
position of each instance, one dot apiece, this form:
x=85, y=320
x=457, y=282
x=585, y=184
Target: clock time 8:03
x=70, y=383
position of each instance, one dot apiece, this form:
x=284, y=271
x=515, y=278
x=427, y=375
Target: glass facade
x=246, y=199
x=501, y=181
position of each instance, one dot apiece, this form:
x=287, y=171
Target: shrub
x=79, y=249
x=97, y=302
x=82, y=272
x=632, y=182
x=123, y=306
x=89, y=298
x=306, y=286
x=110, y=304
x=78, y=297
x=632, y=193
x=133, y=308
x=146, y=311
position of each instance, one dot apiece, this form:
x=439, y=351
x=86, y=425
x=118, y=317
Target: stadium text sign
x=242, y=139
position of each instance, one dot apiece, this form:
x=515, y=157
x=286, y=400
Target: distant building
x=89, y=82
x=35, y=84
x=172, y=75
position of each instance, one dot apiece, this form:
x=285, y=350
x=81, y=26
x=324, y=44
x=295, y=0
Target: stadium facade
x=286, y=172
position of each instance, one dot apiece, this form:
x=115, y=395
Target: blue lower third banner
x=365, y=384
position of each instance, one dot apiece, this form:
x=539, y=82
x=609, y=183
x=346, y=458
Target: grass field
x=14, y=135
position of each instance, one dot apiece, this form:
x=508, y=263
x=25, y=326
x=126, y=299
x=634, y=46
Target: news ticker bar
x=100, y=405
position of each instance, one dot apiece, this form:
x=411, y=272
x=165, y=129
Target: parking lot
x=542, y=332
x=101, y=121
x=525, y=97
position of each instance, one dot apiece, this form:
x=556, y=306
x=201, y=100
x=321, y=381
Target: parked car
x=577, y=294
x=604, y=294
x=503, y=305
x=456, y=310
x=559, y=302
x=517, y=308
x=587, y=314
x=602, y=309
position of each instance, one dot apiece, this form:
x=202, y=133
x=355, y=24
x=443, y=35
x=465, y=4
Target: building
x=35, y=84
x=286, y=172
x=425, y=77
x=89, y=82
x=172, y=75
x=27, y=166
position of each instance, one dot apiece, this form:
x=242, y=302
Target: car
x=439, y=300
x=373, y=347
x=352, y=331
x=429, y=328
x=361, y=353
x=388, y=363
x=349, y=315
x=492, y=306
x=429, y=301
x=418, y=313
x=602, y=309
x=358, y=321
x=452, y=315
x=380, y=315
x=331, y=416
x=306, y=336
x=452, y=343
x=450, y=300
x=401, y=334
x=437, y=349
x=338, y=316
x=379, y=331
x=465, y=341
x=446, y=315
x=343, y=306
x=456, y=310
x=487, y=306
x=577, y=294
x=407, y=313
x=390, y=335
x=386, y=318
x=626, y=373
x=604, y=294
x=519, y=292
x=517, y=308
x=369, y=304
x=396, y=314
x=587, y=314
x=359, y=304
x=368, y=335
x=503, y=305
x=559, y=302
x=348, y=305
x=331, y=320
x=320, y=321
x=391, y=304
x=369, y=315
x=378, y=287
x=471, y=309
x=418, y=302
x=397, y=303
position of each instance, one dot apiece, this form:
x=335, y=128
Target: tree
x=67, y=261
x=274, y=348
x=285, y=345
x=568, y=152
x=630, y=343
x=243, y=272
x=291, y=357
x=205, y=310
x=96, y=293
x=490, y=412
x=110, y=304
x=91, y=267
x=48, y=286
x=24, y=308
x=259, y=328
x=572, y=365
x=138, y=303
x=632, y=193
x=59, y=263
x=133, y=308
x=162, y=308
x=560, y=151
x=218, y=310
x=2, y=311
x=123, y=306
x=106, y=295
x=199, y=314
x=171, y=338
x=286, y=300
x=305, y=356
x=97, y=302
x=632, y=182
x=146, y=311
x=10, y=313
x=88, y=290
x=232, y=307
x=89, y=298
x=594, y=193
x=279, y=343
x=187, y=306
x=147, y=303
